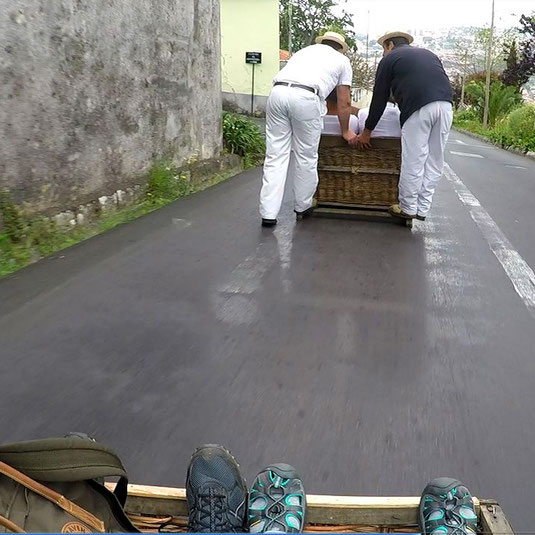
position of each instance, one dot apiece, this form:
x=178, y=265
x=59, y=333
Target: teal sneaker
x=447, y=508
x=277, y=501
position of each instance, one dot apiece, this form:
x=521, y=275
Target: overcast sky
x=430, y=14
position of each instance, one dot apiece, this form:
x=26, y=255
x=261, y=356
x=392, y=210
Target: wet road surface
x=371, y=357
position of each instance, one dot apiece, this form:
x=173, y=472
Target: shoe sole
x=299, y=216
x=268, y=223
x=402, y=216
x=440, y=485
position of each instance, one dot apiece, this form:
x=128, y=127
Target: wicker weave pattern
x=361, y=177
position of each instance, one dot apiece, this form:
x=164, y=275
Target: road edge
x=530, y=155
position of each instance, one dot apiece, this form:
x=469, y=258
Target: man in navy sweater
x=423, y=93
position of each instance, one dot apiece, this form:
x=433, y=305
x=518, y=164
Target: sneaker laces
x=210, y=511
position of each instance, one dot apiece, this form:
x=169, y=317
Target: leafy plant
x=241, y=136
x=468, y=114
x=517, y=130
x=503, y=99
x=13, y=222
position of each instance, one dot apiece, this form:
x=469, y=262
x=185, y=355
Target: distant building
x=248, y=26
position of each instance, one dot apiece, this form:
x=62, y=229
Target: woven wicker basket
x=348, y=175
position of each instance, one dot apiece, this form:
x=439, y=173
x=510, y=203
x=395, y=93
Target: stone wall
x=92, y=91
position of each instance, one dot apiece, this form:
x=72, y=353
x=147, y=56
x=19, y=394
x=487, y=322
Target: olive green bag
x=50, y=486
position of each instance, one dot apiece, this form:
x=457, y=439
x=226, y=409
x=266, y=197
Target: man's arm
x=381, y=94
x=344, y=111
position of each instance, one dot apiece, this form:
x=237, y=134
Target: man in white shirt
x=388, y=125
x=294, y=119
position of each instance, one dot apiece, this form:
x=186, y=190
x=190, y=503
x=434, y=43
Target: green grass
x=24, y=241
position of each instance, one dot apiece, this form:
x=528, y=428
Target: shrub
x=469, y=114
x=243, y=137
x=517, y=130
x=13, y=222
x=503, y=99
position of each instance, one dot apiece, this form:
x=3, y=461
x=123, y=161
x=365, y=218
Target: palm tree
x=503, y=98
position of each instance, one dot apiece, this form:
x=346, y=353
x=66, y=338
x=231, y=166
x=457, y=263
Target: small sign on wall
x=253, y=57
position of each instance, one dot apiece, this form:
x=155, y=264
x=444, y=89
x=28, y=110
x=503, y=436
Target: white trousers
x=294, y=119
x=423, y=140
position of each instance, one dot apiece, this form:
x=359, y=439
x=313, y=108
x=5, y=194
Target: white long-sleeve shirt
x=388, y=125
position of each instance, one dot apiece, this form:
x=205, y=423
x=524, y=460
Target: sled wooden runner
x=150, y=508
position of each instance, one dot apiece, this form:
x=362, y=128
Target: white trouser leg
x=435, y=161
x=306, y=116
x=278, y=146
x=414, y=152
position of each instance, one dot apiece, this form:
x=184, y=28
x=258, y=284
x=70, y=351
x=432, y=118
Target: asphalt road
x=371, y=357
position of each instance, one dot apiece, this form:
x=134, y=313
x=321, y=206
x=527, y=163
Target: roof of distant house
x=284, y=55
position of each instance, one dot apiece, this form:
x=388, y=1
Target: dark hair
x=332, y=44
x=332, y=97
x=397, y=41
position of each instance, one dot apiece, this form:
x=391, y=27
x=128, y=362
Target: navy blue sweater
x=415, y=76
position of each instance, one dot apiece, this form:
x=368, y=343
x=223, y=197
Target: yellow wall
x=249, y=26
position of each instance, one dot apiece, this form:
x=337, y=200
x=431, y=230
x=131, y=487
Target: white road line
x=468, y=154
x=460, y=142
x=517, y=269
x=515, y=166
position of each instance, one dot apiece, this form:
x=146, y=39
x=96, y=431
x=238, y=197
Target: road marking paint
x=517, y=269
x=516, y=166
x=181, y=223
x=468, y=154
x=461, y=142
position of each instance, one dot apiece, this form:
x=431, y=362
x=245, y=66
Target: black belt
x=305, y=87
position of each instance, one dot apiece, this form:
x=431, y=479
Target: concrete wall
x=92, y=91
x=248, y=26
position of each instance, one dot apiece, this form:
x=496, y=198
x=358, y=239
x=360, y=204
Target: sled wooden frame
x=355, y=208
x=324, y=513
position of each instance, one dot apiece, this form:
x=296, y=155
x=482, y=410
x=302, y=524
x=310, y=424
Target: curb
x=530, y=155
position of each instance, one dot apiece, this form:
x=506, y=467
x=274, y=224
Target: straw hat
x=333, y=36
x=391, y=35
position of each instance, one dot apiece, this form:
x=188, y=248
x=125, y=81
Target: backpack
x=50, y=486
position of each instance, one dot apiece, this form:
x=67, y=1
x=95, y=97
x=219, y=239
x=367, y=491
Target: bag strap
x=65, y=460
x=63, y=503
x=11, y=526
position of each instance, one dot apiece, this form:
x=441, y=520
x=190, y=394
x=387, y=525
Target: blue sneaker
x=216, y=492
x=277, y=501
x=447, y=508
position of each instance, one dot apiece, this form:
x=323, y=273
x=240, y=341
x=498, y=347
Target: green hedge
x=516, y=130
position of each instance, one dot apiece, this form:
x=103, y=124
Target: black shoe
x=306, y=213
x=215, y=491
x=269, y=222
x=420, y=217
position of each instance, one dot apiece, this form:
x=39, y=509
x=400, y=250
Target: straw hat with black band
x=335, y=37
x=391, y=35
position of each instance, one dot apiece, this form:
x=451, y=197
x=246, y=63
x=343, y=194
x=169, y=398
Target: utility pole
x=464, y=78
x=489, y=65
x=368, y=37
x=290, y=43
